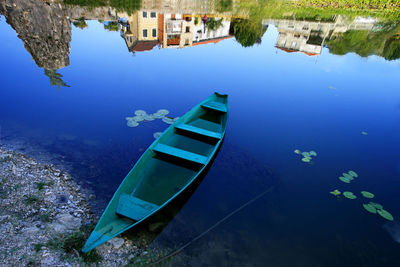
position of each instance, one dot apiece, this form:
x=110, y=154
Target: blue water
x=278, y=101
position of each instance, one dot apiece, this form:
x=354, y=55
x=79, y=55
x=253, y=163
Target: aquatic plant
x=349, y=195
x=132, y=123
x=376, y=205
x=157, y=135
x=305, y=154
x=313, y=153
x=168, y=120
x=140, y=112
x=347, y=176
x=335, y=192
x=306, y=159
x=367, y=194
x=385, y=214
x=296, y=151
x=370, y=208
x=353, y=173
x=364, y=133
x=344, y=180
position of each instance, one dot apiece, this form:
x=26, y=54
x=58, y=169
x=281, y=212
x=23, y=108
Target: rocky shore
x=45, y=220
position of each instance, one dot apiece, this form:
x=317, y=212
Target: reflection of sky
x=278, y=102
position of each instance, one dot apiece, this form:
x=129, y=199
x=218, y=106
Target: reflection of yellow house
x=177, y=30
x=141, y=31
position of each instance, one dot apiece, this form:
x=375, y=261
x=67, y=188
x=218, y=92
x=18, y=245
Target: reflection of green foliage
x=80, y=23
x=391, y=51
x=365, y=43
x=55, y=78
x=129, y=6
x=111, y=26
x=247, y=32
x=224, y=5
x=213, y=24
x=196, y=21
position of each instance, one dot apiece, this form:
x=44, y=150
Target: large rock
x=65, y=222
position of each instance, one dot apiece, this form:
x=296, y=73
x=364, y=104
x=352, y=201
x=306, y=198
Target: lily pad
x=353, y=173
x=367, y=194
x=297, y=151
x=347, y=176
x=376, y=205
x=132, y=123
x=385, y=214
x=313, y=153
x=162, y=112
x=168, y=120
x=138, y=118
x=364, y=133
x=344, y=180
x=349, y=195
x=370, y=208
x=140, y=112
x=305, y=154
x=148, y=118
x=157, y=135
x=335, y=192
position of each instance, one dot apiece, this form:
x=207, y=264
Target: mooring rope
x=210, y=228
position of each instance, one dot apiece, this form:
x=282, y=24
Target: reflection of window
x=305, y=28
x=145, y=33
x=187, y=29
x=144, y=14
x=296, y=35
x=152, y=14
x=154, y=33
x=294, y=44
x=187, y=42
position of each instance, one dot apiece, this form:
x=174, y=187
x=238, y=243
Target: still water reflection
x=307, y=82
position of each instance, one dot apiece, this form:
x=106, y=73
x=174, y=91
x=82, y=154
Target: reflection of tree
x=129, y=6
x=383, y=43
x=213, y=24
x=247, y=32
x=80, y=23
x=55, y=78
x=224, y=5
x=111, y=26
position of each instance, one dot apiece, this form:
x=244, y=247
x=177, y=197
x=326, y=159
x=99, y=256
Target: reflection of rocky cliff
x=44, y=29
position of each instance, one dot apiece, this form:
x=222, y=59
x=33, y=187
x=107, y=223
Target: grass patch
x=72, y=243
x=45, y=217
x=41, y=185
x=38, y=247
x=31, y=199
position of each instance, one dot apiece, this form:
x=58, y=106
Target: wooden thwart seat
x=218, y=106
x=133, y=207
x=180, y=153
x=197, y=130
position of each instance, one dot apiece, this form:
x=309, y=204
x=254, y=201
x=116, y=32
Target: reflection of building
x=144, y=30
x=141, y=31
x=308, y=37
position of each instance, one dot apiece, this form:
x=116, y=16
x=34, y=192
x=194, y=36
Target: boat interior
x=176, y=159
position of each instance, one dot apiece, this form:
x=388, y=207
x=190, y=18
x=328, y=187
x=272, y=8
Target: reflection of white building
x=177, y=30
x=202, y=33
x=308, y=37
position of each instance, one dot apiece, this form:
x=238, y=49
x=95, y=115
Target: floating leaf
x=353, y=173
x=376, y=205
x=162, y=112
x=308, y=159
x=297, y=151
x=305, y=154
x=335, y=192
x=313, y=153
x=148, y=118
x=168, y=120
x=140, y=112
x=132, y=123
x=367, y=194
x=138, y=118
x=385, y=214
x=349, y=195
x=370, y=208
x=344, y=180
x=332, y=87
x=364, y=133
x=347, y=176
x=157, y=135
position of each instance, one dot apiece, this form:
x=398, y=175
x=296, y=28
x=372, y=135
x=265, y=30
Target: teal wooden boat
x=169, y=166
